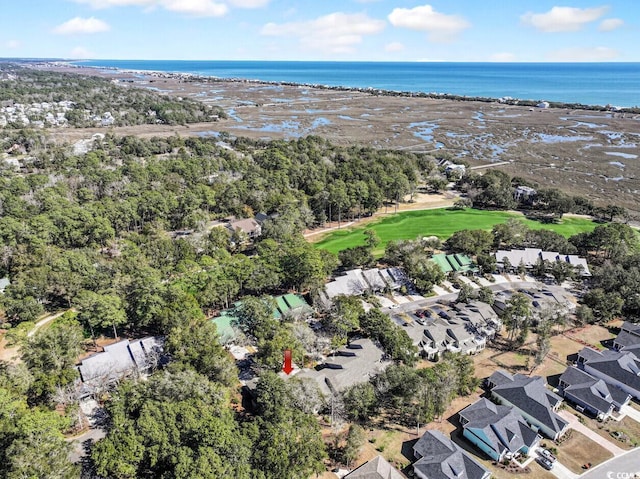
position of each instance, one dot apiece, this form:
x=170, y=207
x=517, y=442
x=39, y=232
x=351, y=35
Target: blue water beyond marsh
x=587, y=83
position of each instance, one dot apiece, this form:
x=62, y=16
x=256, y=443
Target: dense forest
x=123, y=238
x=94, y=235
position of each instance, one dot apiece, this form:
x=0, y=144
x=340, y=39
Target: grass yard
x=579, y=450
x=441, y=223
x=629, y=428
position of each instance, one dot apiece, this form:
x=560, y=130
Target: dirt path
x=11, y=353
x=43, y=321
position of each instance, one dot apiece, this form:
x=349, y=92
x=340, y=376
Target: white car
x=547, y=454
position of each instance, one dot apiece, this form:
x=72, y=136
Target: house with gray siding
x=629, y=337
x=498, y=431
x=590, y=394
x=620, y=369
x=531, y=398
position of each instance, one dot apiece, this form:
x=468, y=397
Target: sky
x=341, y=30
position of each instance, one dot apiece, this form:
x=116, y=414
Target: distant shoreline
x=184, y=76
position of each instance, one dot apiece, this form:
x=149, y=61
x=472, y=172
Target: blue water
x=588, y=83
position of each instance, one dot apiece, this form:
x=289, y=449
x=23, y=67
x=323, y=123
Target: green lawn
x=441, y=223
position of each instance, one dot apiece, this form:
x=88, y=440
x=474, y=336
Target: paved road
x=621, y=467
x=495, y=287
x=594, y=436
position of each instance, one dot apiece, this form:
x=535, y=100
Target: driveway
x=561, y=472
x=595, y=437
x=82, y=443
x=632, y=412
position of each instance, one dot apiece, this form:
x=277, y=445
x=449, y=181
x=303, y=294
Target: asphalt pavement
x=625, y=466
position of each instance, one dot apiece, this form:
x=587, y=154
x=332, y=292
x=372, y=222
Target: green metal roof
x=295, y=301
x=223, y=323
x=441, y=261
x=453, y=262
x=282, y=304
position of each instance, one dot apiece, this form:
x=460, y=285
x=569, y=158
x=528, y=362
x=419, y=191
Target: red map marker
x=287, y=367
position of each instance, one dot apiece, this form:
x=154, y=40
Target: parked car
x=544, y=462
x=547, y=454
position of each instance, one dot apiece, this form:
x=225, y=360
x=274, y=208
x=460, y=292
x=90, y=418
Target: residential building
x=628, y=337
x=529, y=257
x=620, y=369
x=499, y=431
x=438, y=457
x=551, y=298
x=591, y=395
x=464, y=329
x=356, y=282
x=120, y=360
x=524, y=193
x=292, y=305
x=531, y=398
x=376, y=468
x=248, y=226
x=459, y=263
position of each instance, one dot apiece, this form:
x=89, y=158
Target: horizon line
x=63, y=59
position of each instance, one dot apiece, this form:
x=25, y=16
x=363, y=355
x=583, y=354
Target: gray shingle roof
x=631, y=327
x=622, y=366
x=626, y=339
x=530, y=394
x=591, y=391
x=441, y=458
x=503, y=428
x=376, y=468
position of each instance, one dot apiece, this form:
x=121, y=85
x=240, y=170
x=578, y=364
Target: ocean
x=615, y=84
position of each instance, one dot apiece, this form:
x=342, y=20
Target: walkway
x=595, y=437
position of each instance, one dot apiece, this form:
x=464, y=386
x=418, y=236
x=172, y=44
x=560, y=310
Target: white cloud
x=394, y=47
x=196, y=8
x=584, y=54
x=13, y=44
x=563, y=19
x=80, y=53
x=610, y=24
x=440, y=26
x=249, y=3
x=502, y=57
x=200, y=8
x=118, y=3
x=79, y=25
x=334, y=33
